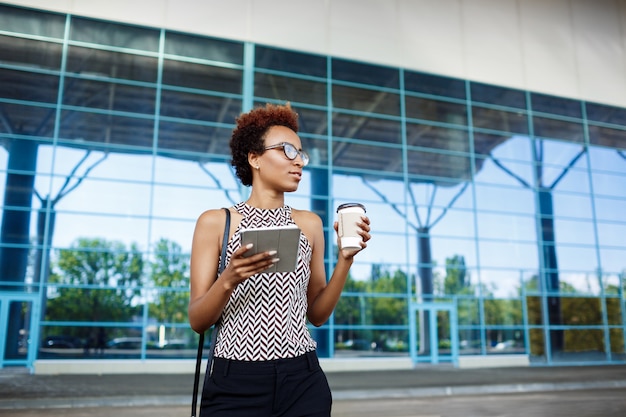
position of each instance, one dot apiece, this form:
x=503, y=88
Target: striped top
x=265, y=317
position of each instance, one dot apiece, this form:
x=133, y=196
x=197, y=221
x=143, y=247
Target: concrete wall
x=570, y=48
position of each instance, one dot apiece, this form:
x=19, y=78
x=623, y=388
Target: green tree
x=97, y=280
x=170, y=275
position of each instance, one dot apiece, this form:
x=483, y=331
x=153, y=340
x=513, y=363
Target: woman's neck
x=265, y=200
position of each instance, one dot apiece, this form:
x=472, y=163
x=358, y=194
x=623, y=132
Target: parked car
x=62, y=342
x=125, y=343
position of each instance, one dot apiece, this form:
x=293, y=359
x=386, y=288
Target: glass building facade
x=498, y=214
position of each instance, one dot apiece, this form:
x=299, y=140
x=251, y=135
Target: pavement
x=22, y=390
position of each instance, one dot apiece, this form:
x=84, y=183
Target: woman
x=265, y=362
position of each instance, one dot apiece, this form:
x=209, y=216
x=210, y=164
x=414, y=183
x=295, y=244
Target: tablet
x=283, y=239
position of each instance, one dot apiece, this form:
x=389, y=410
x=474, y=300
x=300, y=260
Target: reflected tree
x=170, y=276
x=423, y=225
x=545, y=225
x=95, y=281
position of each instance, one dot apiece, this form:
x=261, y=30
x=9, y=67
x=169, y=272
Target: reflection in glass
x=502, y=96
x=200, y=47
x=114, y=34
x=277, y=87
x=436, y=110
x=108, y=64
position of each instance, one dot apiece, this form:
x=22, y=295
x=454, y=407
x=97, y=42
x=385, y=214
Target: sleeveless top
x=265, y=317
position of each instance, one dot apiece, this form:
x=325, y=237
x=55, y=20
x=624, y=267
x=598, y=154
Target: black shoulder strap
x=222, y=265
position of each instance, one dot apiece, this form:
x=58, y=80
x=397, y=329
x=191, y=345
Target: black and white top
x=265, y=317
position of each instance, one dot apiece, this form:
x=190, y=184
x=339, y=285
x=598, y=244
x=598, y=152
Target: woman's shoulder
x=306, y=217
x=211, y=218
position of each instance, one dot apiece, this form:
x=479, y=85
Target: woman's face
x=275, y=168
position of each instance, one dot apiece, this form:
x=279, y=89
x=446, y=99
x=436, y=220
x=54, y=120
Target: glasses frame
x=286, y=145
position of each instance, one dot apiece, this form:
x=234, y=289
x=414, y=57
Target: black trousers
x=295, y=387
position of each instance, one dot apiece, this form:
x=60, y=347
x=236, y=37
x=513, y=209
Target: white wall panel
x=432, y=36
x=600, y=53
x=492, y=42
x=300, y=24
x=548, y=49
x=571, y=48
x=364, y=30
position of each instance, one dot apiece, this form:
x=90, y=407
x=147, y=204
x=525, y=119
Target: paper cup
x=349, y=215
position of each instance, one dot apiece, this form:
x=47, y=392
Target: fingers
x=242, y=267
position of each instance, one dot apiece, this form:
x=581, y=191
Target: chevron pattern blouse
x=265, y=317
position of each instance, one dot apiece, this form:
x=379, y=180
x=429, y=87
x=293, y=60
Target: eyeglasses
x=291, y=152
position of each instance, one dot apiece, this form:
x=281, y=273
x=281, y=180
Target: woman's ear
x=253, y=160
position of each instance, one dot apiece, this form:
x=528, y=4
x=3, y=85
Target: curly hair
x=249, y=135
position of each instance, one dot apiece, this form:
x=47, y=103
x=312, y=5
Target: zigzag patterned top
x=265, y=317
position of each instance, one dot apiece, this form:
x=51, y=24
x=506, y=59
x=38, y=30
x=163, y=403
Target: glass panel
x=191, y=46
x=96, y=62
x=290, y=61
x=32, y=22
x=424, y=136
x=498, y=282
x=617, y=343
x=27, y=120
x=556, y=105
x=537, y=342
x=438, y=168
x=26, y=86
x=434, y=84
x=505, y=341
x=612, y=259
x=366, y=128
x=605, y=113
x=353, y=343
x=605, y=136
x=508, y=200
x=29, y=53
x=358, y=72
x=576, y=258
x=86, y=229
x=505, y=254
x=580, y=311
x=193, y=141
x=314, y=122
x=17, y=329
x=109, y=96
x=584, y=340
x=558, y=129
x=106, y=129
x=354, y=156
x=491, y=94
x=534, y=308
x=436, y=110
x=470, y=342
x=274, y=87
x=468, y=310
x=501, y=120
x=114, y=34
x=366, y=100
x=197, y=106
x=202, y=77
x=614, y=311
x=574, y=231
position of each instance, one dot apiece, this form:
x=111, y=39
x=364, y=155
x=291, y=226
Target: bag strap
x=196, y=381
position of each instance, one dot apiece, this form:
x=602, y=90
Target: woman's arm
x=322, y=296
x=209, y=296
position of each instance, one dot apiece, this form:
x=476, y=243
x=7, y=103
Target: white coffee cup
x=349, y=215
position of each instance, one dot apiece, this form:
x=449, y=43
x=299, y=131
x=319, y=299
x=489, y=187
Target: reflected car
x=62, y=342
x=125, y=343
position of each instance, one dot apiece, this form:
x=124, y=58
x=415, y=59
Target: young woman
x=265, y=362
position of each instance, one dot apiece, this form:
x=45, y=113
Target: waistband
x=225, y=366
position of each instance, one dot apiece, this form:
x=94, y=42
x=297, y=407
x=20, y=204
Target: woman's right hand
x=242, y=267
